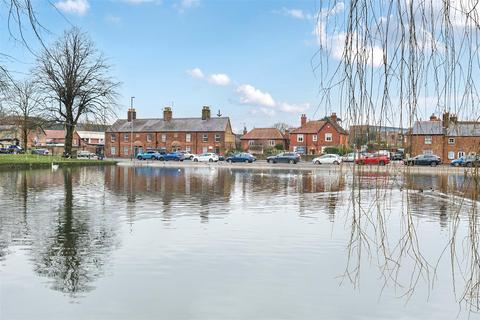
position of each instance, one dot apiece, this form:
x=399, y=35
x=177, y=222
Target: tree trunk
x=68, y=140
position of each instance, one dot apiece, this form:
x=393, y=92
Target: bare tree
x=282, y=126
x=26, y=107
x=76, y=77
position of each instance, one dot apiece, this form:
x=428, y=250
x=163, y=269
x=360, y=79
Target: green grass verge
x=27, y=161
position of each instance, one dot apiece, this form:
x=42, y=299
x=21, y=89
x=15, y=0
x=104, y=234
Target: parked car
x=187, y=155
x=373, y=159
x=206, y=157
x=423, y=160
x=286, y=157
x=42, y=152
x=12, y=149
x=458, y=162
x=86, y=155
x=149, y=155
x=472, y=161
x=328, y=159
x=241, y=157
x=172, y=156
x=349, y=157
x=398, y=156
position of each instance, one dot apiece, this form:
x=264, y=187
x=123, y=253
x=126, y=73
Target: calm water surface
x=212, y=243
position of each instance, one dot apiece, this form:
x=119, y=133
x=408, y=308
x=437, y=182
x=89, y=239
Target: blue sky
x=250, y=59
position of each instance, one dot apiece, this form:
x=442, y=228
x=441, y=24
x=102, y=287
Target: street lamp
x=131, y=136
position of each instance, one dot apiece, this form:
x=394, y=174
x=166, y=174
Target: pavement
x=395, y=167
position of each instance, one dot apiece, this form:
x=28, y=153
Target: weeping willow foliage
x=392, y=63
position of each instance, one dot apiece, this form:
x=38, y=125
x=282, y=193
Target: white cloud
x=296, y=13
x=196, y=73
x=293, y=108
x=142, y=1
x=220, y=79
x=188, y=4
x=79, y=7
x=253, y=96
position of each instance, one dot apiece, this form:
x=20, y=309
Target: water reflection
x=77, y=225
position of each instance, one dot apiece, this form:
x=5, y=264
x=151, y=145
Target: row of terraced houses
x=447, y=137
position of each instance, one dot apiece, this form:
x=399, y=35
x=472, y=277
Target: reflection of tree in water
x=75, y=252
x=400, y=257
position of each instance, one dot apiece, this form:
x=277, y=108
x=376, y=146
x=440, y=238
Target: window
x=461, y=154
x=205, y=137
x=451, y=140
x=251, y=142
x=299, y=137
x=113, y=137
x=149, y=137
x=205, y=149
x=451, y=155
x=175, y=135
x=188, y=137
x=113, y=151
x=164, y=137
x=217, y=137
x=314, y=137
x=125, y=151
x=427, y=152
x=428, y=140
x=188, y=149
x=125, y=137
x=272, y=143
x=328, y=137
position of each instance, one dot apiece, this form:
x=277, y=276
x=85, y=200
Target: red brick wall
x=316, y=146
x=173, y=140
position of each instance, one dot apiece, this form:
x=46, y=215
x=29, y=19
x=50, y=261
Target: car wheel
x=433, y=164
x=336, y=162
x=317, y=162
x=161, y=159
x=268, y=161
x=246, y=161
x=469, y=164
x=191, y=158
x=292, y=161
x=139, y=158
x=229, y=161
x=456, y=164
x=210, y=160
x=195, y=160
x=381, y=163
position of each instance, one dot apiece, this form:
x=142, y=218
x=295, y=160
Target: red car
x=375, y=159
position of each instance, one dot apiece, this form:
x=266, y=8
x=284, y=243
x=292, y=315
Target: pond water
x=219, y=243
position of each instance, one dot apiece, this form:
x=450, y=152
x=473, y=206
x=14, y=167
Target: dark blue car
x=172, y=156
x=241, y=157
x=458, y=162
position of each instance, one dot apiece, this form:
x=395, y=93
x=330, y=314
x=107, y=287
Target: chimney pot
x=167, y=113
x=303, y=120
x=333, y=117
x=131, y=114
x=206, y=113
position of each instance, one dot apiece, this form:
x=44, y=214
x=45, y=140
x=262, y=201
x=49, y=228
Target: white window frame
x=217, y=137
x=328, y=137
x=205, y=137
x=428, y=152
x=315, y=138
x=126, y=151
x=451, y=155
x=126, y=137
x=188, y=149
x=204, y=149
x=113, y=137
x=251, y=142
x=300, y=138
x=461, y=154
x=272, y=143
x=428, y=140
x=149, y=137
x=451, y=140
x=164, y=137
x=113, y=151
x=188, y=137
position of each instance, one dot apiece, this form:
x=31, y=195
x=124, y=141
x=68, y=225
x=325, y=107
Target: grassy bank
x=28, y=161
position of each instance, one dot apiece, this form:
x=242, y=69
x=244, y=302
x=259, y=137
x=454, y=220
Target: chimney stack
x=446, y=119
x=433, y=117
x=333, y=117
x=303, y=120
x=167, y=114
x=131, y=115
x=206, y=113
x=453, y=119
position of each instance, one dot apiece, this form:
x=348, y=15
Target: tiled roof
x=427, y=127
x=310, y=127
x=263, y=134
x=464, y=129
x=175, y=124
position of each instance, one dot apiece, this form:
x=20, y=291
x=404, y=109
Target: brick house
x=259, y=139
x=92, y=141
x=391, y=138
x=447, y=138
x=314, y=135
x=196, y=135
